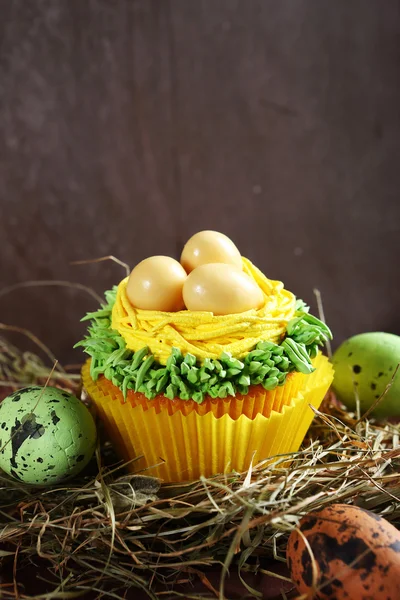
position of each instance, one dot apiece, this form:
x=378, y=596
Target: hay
x=107, y=531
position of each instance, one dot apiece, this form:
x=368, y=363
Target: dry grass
x=108, y=531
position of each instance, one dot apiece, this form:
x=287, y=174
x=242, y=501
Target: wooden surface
x=127, y=125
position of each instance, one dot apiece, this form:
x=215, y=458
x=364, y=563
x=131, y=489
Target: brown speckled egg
x=357, y=555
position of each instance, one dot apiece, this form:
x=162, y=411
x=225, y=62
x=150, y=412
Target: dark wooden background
x=127, y=125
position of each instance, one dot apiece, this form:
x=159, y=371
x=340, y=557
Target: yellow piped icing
x=201, y=333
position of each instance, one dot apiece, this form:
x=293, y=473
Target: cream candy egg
x=209, y=247
x=221, y=289
x=156, y=284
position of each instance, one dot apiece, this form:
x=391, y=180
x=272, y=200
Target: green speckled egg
x=46, y=435
x=367, y=362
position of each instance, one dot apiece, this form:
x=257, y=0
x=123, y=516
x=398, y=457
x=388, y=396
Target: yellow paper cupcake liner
x=258, y=400
x=176, y=446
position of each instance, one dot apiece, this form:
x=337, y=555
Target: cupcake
x=203, y=366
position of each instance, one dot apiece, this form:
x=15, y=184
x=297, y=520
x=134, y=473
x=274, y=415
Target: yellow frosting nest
x=201, y=333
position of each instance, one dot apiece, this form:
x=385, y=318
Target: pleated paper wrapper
x=180, y=440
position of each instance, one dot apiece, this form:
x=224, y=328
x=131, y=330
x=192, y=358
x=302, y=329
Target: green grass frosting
x=184, y=377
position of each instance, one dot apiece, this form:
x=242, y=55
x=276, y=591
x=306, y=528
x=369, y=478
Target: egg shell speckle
x=357, y=554
x=366, y=363
x=46, y=435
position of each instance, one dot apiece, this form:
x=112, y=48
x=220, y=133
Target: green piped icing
x=184, y=377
